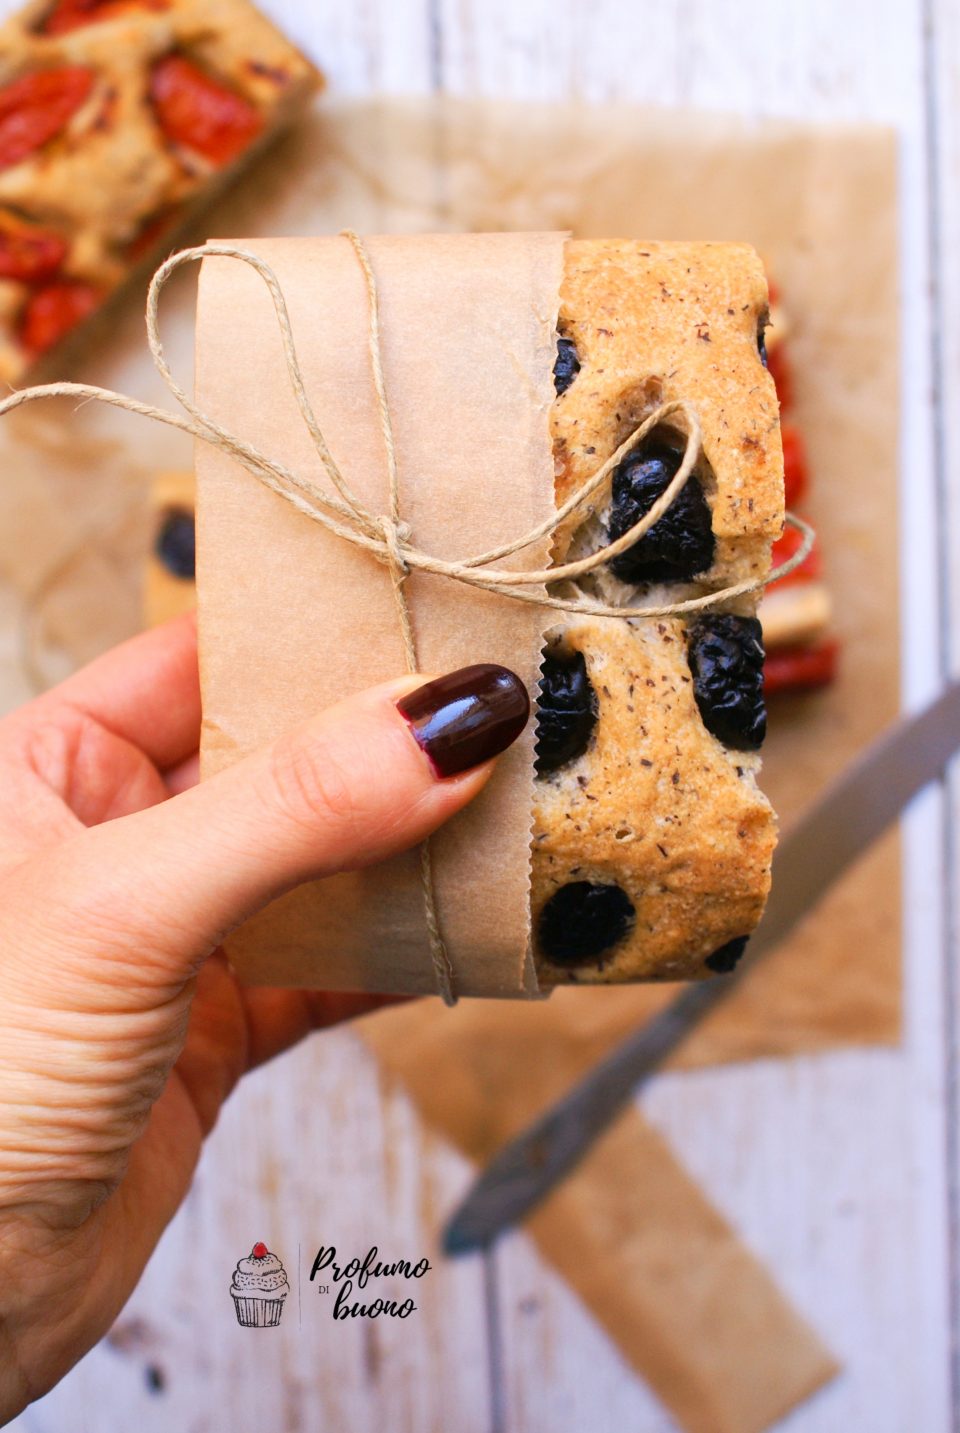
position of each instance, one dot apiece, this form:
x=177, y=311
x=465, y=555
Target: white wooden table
x=840, y=1171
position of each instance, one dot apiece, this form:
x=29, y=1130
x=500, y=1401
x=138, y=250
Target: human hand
x=122, y=1027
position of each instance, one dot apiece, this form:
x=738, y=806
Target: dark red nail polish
x=466, y=717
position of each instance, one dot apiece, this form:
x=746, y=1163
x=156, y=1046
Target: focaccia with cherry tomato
x=796, y=613
x=118, y=120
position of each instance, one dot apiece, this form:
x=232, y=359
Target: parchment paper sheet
x=806, y=197
x=75, y=482
x=694, y=1311
x=293, y=618
x=821, y=205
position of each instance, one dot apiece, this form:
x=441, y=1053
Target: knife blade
x=855, y=810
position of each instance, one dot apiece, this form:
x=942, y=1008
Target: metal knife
x=854, y=811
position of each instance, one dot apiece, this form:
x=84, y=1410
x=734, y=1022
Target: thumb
x=369, y=777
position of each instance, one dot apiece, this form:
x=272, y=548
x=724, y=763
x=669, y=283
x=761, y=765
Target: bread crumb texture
x=656, y=804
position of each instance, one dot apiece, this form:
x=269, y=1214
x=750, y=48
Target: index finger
x=147, y=690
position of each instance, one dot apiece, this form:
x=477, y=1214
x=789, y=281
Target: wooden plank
x=366, y=46
x=943, y=60
x=802, y=61
x=942, y=35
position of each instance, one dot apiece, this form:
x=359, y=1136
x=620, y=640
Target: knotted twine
x=386, y=535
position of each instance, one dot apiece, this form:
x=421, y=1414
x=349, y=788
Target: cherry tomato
x=794, y=464
x=779, y=367
x=35, y=108
x=794, y=669
x=27, y=252
x=199, y=113
x=75, y=14
x=153, y=227
x=52, y=311
x=784, y=548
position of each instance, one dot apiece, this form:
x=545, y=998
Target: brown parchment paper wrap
x=294, y=618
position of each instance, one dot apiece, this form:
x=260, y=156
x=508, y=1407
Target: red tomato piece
x=27, y=252
x=52, y=311
x=793, y=669
x=794, y=464
x=35, y=108
x=198, y=112
x=75, y=14
x=153, y=227
x=779, y=368
x=784, y=548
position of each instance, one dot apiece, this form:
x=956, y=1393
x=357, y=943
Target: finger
x=146, y=690
x=357, y=784
x=62, y=771
x=233, y=1029
x=182, y=776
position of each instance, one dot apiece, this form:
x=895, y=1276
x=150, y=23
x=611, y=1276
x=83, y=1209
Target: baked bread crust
x=111, y=182
x=656, y=804
x=657, y=322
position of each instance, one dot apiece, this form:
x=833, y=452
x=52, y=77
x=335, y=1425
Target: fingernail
x=466, y=717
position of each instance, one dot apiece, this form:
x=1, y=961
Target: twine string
x=347, y=517
x=396, y=532
x=387, y=536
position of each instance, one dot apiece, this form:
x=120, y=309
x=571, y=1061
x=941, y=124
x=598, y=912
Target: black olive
x=567, y=365
x=583, y=920
x=726, y=659
x=762, y=341
x=725, y=959
x=175, y=543
x=566, y=710
x=677, y=547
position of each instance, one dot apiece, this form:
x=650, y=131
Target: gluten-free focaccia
x=118, y=120
x=652, y=843
x=651, y=840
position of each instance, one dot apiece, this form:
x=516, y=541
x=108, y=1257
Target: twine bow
x=387, y=536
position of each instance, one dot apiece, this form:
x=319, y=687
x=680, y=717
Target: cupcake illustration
x=259, y=1288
